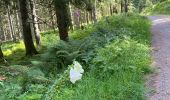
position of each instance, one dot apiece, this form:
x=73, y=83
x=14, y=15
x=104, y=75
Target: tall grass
x=117, y=70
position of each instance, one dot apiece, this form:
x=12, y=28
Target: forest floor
x=119, y=77
x=160, y=80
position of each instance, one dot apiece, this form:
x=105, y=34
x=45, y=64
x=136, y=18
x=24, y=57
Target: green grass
x=116, y=77
x=159, y=8
x=117, y=71
x=115, y=53
x=16, y=50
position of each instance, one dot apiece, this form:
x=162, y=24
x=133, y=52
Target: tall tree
x=126, y=6
x=63, y=15
x=94, y=10
x=35, y=23
x=63, y=19
x=121, y=6
x=28, y=41
x=2, y=28
x=10, y=20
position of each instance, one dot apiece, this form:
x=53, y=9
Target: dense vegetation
x=44, y=41
x=126, y=37
x=159, y=8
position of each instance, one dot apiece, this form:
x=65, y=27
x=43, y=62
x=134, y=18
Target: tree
x=10, y=20
x=63, y=19
x=1, y=53
x=35, y=25
x=93, y=11
x=126, y=6
x=121, y=6
x=28, y=41
x=2, y=28
x=63, y=15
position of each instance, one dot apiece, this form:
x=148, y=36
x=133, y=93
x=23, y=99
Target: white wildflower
x=76, y=72
x=78, y=67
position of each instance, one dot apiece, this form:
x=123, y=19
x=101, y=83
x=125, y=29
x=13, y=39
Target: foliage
x=142, y=4
x=9, y=91
x=20, y=83
x=21, y=75
x=34, y=92
x=49, y=37
x=114, y=53
x=159, y=8
x=63, y=53
x=16, y=50
x=116, y=69
x=121, y=51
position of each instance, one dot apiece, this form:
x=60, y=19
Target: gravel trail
x=160, y=81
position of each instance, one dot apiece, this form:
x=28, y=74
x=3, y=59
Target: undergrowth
x=114, y=53
x=120, y=59
x=159, y=8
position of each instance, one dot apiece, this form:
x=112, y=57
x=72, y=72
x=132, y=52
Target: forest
x=76, y=49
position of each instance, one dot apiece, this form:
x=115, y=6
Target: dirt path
x=160, y=81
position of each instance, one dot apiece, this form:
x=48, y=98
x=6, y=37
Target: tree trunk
x=10, y=24
x=2, y=29
x=71, y=17
x=111, y=9
x=126, y=6
x=3, y=38
x=17, y=23
x=121, y=5
x=52, y=18
x=87, y=17
x=20, y=29
x=28, y=41
x=5, y=32
x=1, y=53
x=63, y=19
x=94, y=11
x=35, y=25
